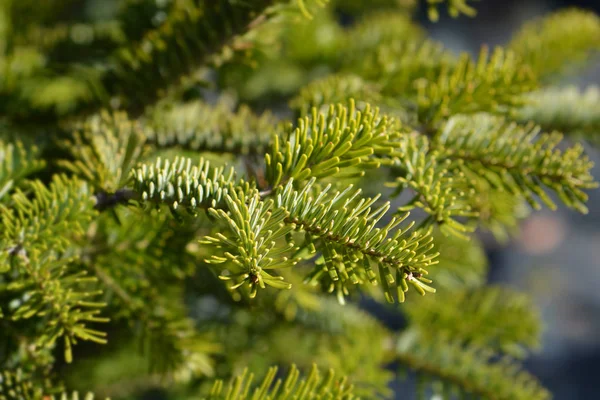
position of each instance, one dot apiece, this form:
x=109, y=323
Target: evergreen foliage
x=568, y=110
x=572, y=34
x=162, y=161
x=17, y=163
x=312, y=387
x=466, y=369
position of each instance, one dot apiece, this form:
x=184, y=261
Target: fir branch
x=39, y=232
x=334, y=89
x=572, y=35
x=201, y=127
x=438, y=192
x=376, y=29
x=344, y=230
x=517, y=159
x=396, y=64
x=152, y=261
x=180, y=183
x=46, y=290
x=256, y=229
x=344, y=330
x=173, y=345
x=570, y=110
x=324, y=145
x=16, y=163
x=492, y=84
x=445, y=190
x=105, y=148
x=466, y=369
x=295, y=216
x=18, y=385
x=43, y=219
x=345, y=338
x=314, y=386
x=493, y=317
x=191, y=33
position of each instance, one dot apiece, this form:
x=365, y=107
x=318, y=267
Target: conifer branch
x=517, y=159
x=334, y=89
x=396, y=64
x=569, y=110
x=376, y=29
x=573, y=35
x=192, y=33
x=55, y=296
x=492, y=83
x=151, y=259
x=334, y=223
x=457, y=199
x=343, y=226
x=16, y=163
x=201, y=127
x=181, y=183
x=492, y=317
x=35, y=244
x=466, y=369
x=440, y=193
x=40, y=220
x=324, y=145
x=255, y=230
x=104, y=149
x=314, y=386
x=17, y=385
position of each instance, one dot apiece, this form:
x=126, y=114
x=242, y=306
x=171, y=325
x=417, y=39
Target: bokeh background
x=556, y=257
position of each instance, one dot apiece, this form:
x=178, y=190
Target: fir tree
x=200, y=190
